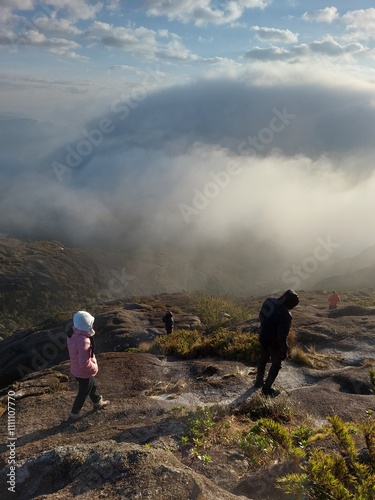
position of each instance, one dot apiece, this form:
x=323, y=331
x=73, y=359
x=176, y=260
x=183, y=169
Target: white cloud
x=141, y=41
x=360, y=23
x=17, y=31
x=19, y=4
x=77, y=9
x=202, y=12
x=331, y=48
x=55, y=26
x=113, y=5
x=175, y=49
x=33, y=38
x=274, y=35
x=270, y=54
x=327, y=48
x=327, y=15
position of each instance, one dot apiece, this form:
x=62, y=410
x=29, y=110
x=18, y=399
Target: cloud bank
x=257, y=175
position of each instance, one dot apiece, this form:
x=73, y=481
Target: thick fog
x=259, y=174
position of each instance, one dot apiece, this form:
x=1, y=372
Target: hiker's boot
x=100, y=404
x=74, y=417
x=269, y=392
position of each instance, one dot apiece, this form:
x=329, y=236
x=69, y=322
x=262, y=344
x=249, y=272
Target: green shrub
x=372, y=379
x=340, y=475
x=272, y=438
x=179, y=343
x=227, y=344
x=218, y=312
x=200, y=432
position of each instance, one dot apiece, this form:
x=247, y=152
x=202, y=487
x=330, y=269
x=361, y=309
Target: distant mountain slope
x=351, y=273
x=361, y=278
x=41, y=278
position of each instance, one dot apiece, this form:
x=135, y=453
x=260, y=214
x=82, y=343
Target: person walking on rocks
x=275, y=322
x=83, y=364
x=168, y=321
x=333, y=299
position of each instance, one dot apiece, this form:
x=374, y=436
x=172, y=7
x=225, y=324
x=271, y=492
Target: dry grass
x=311, y=358
x=163, y=387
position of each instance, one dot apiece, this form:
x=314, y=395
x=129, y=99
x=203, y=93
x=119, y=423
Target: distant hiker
x=333, y=299
x=275, y=322
x=83, y=364
x=168, y=321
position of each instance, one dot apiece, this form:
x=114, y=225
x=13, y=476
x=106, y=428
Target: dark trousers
x=87, y=387
x=269, y=351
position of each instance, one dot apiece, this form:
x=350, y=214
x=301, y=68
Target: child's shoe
x=100, y=404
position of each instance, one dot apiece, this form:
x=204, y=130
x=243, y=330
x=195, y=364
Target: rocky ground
x=132, y=449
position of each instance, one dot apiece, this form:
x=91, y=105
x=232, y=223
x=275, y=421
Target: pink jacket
x=82, y=365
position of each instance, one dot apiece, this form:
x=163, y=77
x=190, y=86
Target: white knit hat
x=82, y=320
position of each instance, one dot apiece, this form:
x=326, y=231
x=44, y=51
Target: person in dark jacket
x=168, y=321
x=275, y=322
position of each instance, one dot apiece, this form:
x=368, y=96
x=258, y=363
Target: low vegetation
x=227, y=344
x=347, y=472
x=308, y=356
x=216, y=313
x=364, y=297
x=335, y=461
x=221, y=335
x=372, y=379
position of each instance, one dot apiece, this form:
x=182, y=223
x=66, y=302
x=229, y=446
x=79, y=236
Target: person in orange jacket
x=333, y=299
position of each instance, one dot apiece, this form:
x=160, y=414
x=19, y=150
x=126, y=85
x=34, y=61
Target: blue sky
x=267, y=107
x=95, y=48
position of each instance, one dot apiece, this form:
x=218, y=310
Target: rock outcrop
x=135, y=447
x=119, y=325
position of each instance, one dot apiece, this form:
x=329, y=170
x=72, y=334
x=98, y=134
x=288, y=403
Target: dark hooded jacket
x=276, y=319
x=168, y=321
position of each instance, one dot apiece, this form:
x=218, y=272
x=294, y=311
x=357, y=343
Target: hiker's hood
x=83, y=321
x=290, y=299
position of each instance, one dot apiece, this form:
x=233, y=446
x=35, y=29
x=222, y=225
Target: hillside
x=139, y=446
x=39, y=279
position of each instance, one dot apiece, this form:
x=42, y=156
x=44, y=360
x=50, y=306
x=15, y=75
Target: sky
x=66, y=51
x=248, y=121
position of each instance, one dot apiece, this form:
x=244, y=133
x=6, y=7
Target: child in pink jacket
x=83, y=364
